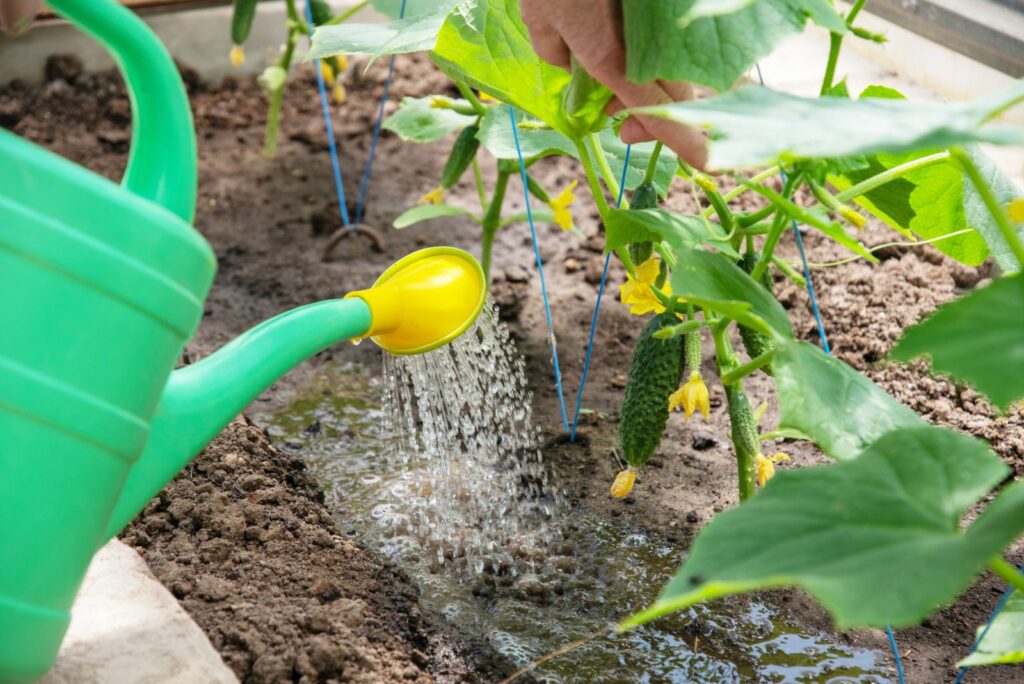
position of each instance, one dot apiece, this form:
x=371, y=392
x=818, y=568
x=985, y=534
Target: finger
x=679, y=91
x=614, y=106
x=548, y=45
x=633, y=132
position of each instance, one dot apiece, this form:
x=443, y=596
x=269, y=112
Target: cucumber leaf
x=412, y=34
x=715, y=282
x=877, y=540
x=838, y=408
x=755, y=126
x=1003, y=643
x=978, y=216
x=978, y=339
x=417, y=121
x=712, y=42
x=425, y=212
x=623, y=226
x=413, y=8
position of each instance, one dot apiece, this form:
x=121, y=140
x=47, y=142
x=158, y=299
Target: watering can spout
x=421, y=302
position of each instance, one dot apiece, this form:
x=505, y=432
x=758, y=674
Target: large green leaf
x=417, y=121
x=715, y=282
x=978, y=216
x=978, y=339
x=1004, y=641
x=877, y=539
x=426, y=212
x=484, y=43
x=755, y=126
x=412, y=34
x=713, y=42
x=837, y=407
x=496, y=135
x=413, y=8
x=623, y=226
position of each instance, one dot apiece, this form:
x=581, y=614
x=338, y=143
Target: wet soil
x=269, y=221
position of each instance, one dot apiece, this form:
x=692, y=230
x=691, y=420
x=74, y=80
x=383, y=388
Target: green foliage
x=412, y=34
x=1004, y=641
x=413, y=8
x=755, y=341
x=715, y=282
x=417, y=121
x=837, y=407
x=876, y=540
x=978, y=339
x=425, y=212
x=654, y=374
x=978, y=216
x=623, y=227
x=756, y=126
x=712, y=42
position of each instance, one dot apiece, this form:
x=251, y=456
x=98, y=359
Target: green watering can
x=100, y=287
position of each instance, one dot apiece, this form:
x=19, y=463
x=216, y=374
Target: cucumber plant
x=897, y=483
x=273, y=78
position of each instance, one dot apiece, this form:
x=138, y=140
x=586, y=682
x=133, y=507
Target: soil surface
x=262, y=597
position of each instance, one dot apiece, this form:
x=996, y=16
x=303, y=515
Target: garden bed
x=262, y=598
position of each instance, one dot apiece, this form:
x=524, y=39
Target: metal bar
x=989, y=31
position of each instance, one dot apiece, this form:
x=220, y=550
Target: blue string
x=597, y=309
x=828, y=350
x=962, y=672
x=540, y=269
x=339, y=185
x=361, y=202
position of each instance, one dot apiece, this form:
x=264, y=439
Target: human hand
x=17, y=15
x=591, y=31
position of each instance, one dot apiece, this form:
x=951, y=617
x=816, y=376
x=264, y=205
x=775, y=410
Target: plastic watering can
x=101, y=285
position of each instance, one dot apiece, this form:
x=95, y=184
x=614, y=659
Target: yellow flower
x=765, y=466
x=857, y=219
x=560, y=205
x=237, y=56
x=484, y=97
x=340, y=62
x=623, y=484
x=638, y=293
x=435, y=196
x=338, y=93
x=327, y=72
x=693, y=396
x=438, y=102
x=1016, y=210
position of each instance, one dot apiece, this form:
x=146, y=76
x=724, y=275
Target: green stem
x=347, y=13
x=759, y=215
x=892, y=174
x=724, y=353
x=678, y=329
x=652, y=164
x=491, y=222
x=1004, y=569
x=479, y=180
x=610, y=181
x=471, y=97
x=739, y=372
x=835, y=43
x=740, y=189
x=592, y=179
x=778, y=226
x=991, y=203
x=787, y=270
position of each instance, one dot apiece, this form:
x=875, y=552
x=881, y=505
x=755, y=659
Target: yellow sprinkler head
x=424, y=300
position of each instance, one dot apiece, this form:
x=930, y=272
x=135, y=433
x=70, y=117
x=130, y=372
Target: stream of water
x=437, y=469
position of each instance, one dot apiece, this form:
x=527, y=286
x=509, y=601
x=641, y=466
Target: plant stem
x=724, y=353
x=471, y=97
x=347, y=13
x=991, y=203
x=610, y=181
x=679, y=329
x=1004, y=569
x=835, y=43
x=592, y=179
x=652, y=164
x=739, y=372
x=740, y=189
x=787, y=270
x=892, y=174
x=778, y=225
x=491, y=221
x=479, y=180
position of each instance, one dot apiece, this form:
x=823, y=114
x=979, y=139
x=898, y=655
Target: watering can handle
x=162, y=161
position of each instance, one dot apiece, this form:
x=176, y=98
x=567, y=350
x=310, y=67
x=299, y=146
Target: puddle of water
x=612, y=571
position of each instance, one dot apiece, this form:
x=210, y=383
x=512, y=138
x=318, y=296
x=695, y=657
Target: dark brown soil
x=268, y=221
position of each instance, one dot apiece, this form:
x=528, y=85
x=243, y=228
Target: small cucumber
x=655, y=373
x=644, y=197
x=321, y=11
x=755, y=341
x=744, y=436
x=241, y=20
x=463, y=152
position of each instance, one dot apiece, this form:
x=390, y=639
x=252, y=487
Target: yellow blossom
x=1016, y=210
x=765, y=466
x=340, y=62
x=435, y=196
x=237, y=56
x=623, y=484
x=327, y=72
x=638, y=293
x=560, y=205
x=484, y=97
x=693, y=396
x=338, y=93
x=852, y=216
